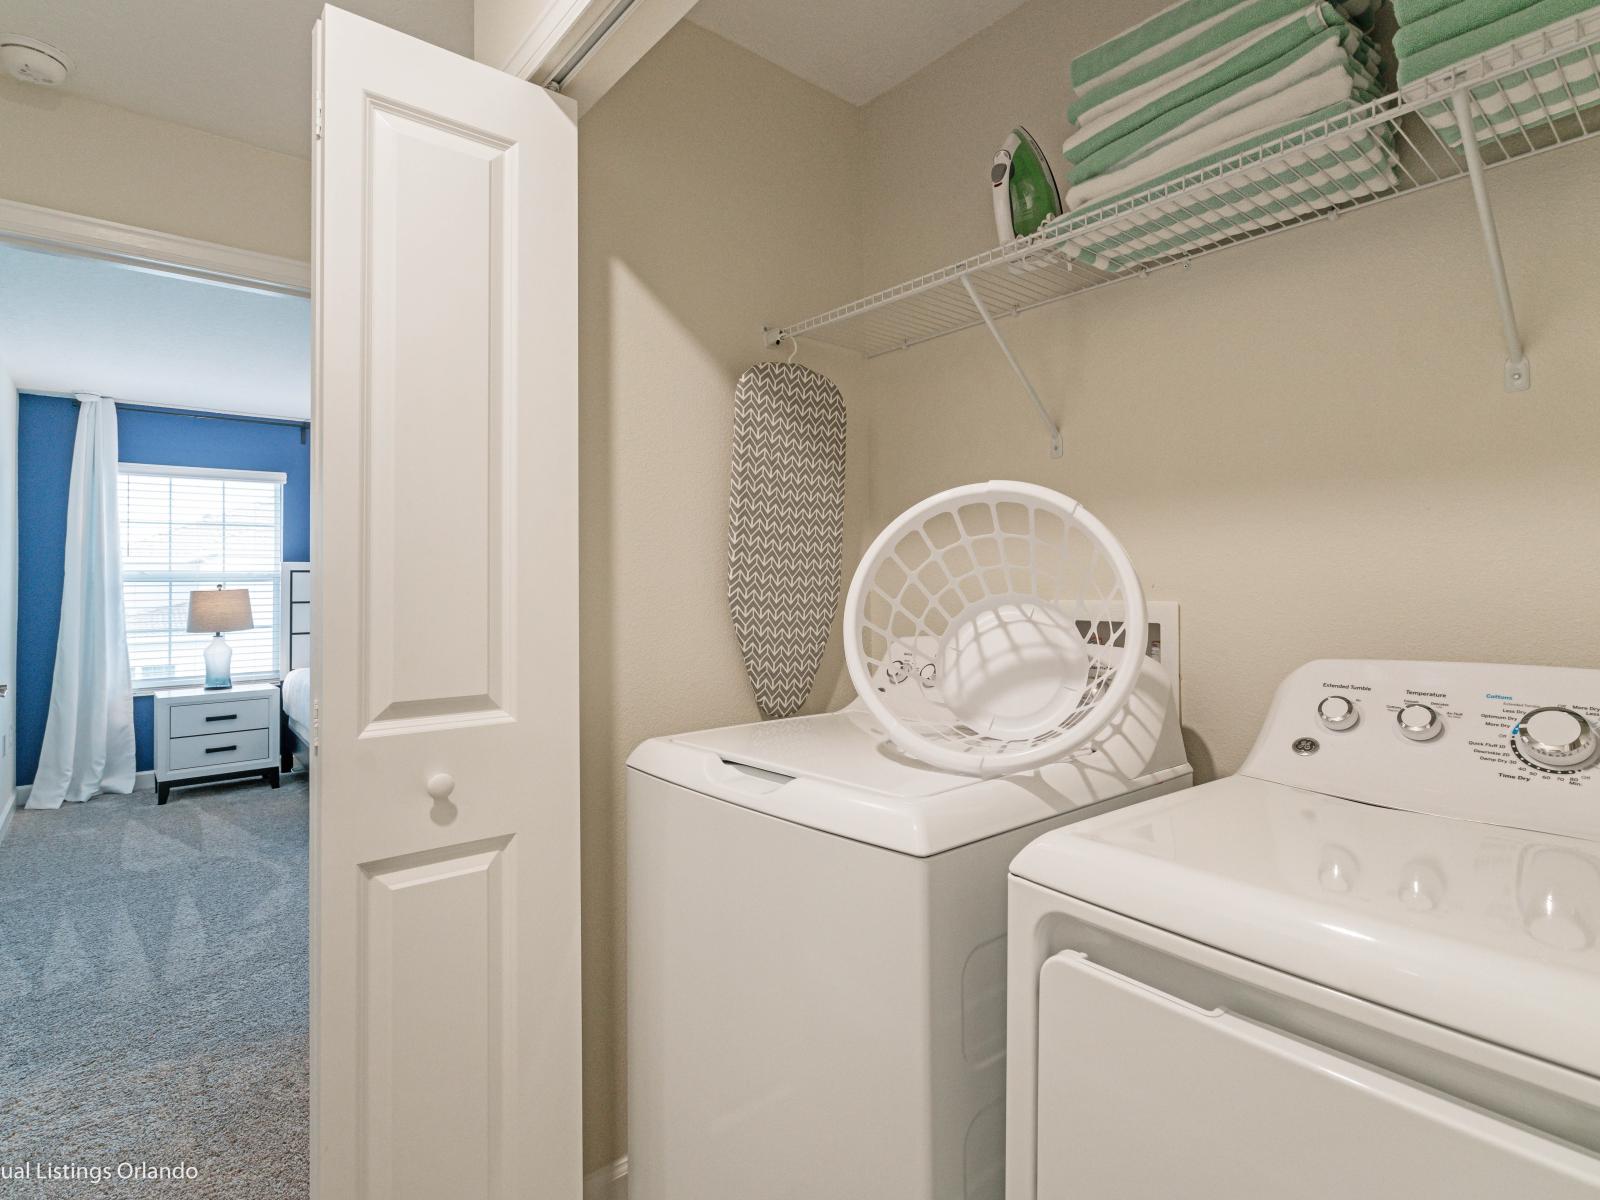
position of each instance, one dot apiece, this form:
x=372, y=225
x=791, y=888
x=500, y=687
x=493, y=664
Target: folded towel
x=1326, y=55
x=1408, y=11
x=1461, y=17
x=1485, y=38
x=1301, y=185
x=1288, y=43
x=1164, y=32
x=1334, y=86
x=1527, y=99
x=1093, y=152
x=1295, y=180
x=1243, y=28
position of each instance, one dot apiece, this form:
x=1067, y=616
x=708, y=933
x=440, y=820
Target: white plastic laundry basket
x=994, y=628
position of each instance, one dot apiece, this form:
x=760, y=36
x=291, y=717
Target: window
x=185, y=528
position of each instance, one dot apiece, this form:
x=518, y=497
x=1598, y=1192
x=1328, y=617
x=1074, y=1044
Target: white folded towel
x=1114, y=109
x=1331, y=52
x=1328, y=87
x=1296, y=184
x=1160, y=48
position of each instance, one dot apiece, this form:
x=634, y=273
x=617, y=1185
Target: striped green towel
x=1247, y=25
x=1282, y=112
x=1294, y=182
x=1327, y=51
x=1485, y=38
x=1410, y=12
x=1259, y=199
x=1292, y=43
x=1166, y=31
x=1461, y=17
x=1407, y=12
x=1529, y=98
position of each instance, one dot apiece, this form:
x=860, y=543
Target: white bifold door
x=445, y=984
x=1143, y=1096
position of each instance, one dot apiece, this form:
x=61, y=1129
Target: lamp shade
x=220, y=610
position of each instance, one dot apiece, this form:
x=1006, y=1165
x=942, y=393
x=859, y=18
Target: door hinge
x=316, y=121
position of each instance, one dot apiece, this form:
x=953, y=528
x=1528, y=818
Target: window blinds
x=183, y=530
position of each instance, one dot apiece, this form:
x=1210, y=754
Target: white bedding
x=297, y=702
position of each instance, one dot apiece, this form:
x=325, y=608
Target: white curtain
x=88, y=735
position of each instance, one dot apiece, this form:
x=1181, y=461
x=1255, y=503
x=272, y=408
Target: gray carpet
x=153, y=1005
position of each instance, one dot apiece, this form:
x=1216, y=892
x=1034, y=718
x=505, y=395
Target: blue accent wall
x=46, y=427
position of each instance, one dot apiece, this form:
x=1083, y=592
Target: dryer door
x=1146, y=1097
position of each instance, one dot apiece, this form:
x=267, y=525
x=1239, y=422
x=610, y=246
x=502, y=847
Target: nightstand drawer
x=191, y=719
x=218, y=749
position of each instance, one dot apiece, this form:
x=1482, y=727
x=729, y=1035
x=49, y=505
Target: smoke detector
x=33, y=61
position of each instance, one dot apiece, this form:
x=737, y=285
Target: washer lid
x=839, y=773
x=1488, y=930
x=848, y=749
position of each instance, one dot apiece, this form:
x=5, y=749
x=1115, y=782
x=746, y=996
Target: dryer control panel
x=1509, y=745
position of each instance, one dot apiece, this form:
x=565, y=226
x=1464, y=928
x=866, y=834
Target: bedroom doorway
x=443, y=813
x=154, y=421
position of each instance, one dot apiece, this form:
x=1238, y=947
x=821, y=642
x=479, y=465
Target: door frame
x=59, y=232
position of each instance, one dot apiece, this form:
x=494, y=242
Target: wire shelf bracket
x=1517, y=101
x=1519, y=376
x=983, y=311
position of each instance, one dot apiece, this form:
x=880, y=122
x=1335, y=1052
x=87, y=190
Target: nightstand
x=203, y=736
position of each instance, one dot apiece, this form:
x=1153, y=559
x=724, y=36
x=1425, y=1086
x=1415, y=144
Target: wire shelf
x=1522, y=99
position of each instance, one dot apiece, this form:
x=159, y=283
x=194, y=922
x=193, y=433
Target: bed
x=297, y=703
x=294, y=654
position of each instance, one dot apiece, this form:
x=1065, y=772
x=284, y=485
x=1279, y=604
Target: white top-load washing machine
x=817, y=946
x=1367, y=965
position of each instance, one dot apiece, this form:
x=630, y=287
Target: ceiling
x=239, y=68
x=72, y=324
x=853, y=48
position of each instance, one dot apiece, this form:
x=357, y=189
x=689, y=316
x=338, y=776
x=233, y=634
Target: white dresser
x=204, y=736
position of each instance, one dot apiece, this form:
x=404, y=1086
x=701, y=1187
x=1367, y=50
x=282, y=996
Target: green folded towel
x=1260, y=61
x=1478, y=41
x=1327, y=49
x=1298, y=181
x=1261, y=197
x=1526, y=99
x=1407, y=12
x=1165, y=31
x=1241, y=26
x=1285, y=109
x=1462, y=17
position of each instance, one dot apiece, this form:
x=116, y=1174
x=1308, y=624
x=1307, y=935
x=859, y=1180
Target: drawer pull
x=219, y=749
x=223, y=717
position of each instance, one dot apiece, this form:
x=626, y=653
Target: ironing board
x=785, y=527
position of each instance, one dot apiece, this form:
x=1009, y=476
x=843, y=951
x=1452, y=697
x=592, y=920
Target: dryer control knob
x=1338, y=712
x=1557, y=738
x=1421, y=887
x=1419, y=722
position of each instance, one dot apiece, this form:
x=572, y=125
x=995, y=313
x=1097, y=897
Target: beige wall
x=1304, y=441
x=61, y=151
x=717, y=192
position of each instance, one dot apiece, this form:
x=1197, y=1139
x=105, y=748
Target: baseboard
x=144, y=781
x=608, y=1183
x=5, y=814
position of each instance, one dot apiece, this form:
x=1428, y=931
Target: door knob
x=441, y=785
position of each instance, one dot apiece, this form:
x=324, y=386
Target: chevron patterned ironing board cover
x=785, y=527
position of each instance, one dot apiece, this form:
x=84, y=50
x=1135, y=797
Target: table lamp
x=221, y=611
